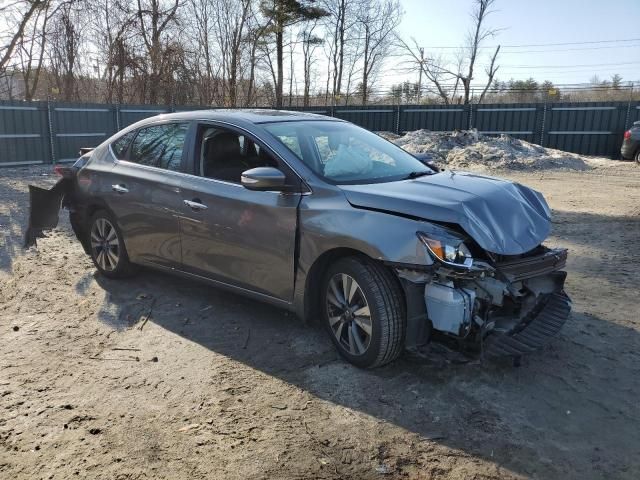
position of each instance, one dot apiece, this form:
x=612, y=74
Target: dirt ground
x=217, y=386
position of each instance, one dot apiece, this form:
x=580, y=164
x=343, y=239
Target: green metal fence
x=48, y=132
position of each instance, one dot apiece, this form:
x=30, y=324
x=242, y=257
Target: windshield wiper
x=422, y=173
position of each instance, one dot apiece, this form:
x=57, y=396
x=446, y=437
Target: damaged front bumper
x=507, y=306
x=534, y=331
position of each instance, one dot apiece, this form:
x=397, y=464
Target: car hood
x=502, y=217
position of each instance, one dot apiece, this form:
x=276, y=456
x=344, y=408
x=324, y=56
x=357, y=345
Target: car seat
x=223, y=157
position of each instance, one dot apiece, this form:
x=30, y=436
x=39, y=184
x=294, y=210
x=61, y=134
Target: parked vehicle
x=326, y=219
x=631, y=143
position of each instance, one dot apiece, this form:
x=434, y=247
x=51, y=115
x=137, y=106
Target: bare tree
x=30, y=52
x=491, y=71
x=378, y=23
x=425, y=66
x=204, y=67
x=18, y=13
x=439, y=71
x=113, y=25
x=155, y=17
x=339, y=25
x=64, y=50
x=310, y=43
x=254, y=40
x=232, y=22
x=475, y=37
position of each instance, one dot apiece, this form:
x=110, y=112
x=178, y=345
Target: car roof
x=256, y=116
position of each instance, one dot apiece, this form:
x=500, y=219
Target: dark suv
x=631, y=144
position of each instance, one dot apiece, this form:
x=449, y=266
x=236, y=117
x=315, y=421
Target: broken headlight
x=446, y=248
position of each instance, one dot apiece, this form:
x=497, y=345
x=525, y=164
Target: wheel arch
x=308, y=305
x=91, y=207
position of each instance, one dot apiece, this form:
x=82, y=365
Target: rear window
x=120, y=146
x=159, y=146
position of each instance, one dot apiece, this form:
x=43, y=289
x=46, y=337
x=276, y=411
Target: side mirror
x=263, y=179
x=427, y=159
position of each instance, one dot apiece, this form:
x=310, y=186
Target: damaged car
x=326, y=219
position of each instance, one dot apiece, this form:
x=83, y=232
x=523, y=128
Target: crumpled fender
x=44, y=209
x=329, y=223
x=382, y=236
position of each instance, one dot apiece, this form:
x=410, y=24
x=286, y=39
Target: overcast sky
x=443, y=23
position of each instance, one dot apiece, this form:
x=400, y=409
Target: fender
x=329, y=225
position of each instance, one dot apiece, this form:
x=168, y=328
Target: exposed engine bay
x=508, y=305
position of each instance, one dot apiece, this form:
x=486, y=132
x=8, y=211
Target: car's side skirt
x=226, y=286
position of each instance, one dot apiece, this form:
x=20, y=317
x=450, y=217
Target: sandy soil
x=216, y=386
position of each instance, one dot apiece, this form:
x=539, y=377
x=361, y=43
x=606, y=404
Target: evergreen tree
x=280, y=15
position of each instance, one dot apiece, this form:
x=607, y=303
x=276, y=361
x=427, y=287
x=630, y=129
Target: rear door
x=145, y=192
x=231, y=234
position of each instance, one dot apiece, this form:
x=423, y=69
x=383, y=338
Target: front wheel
x=108, y=252
x=364, y=311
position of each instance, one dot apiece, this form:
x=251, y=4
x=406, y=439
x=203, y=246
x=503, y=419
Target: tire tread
x=390, y=310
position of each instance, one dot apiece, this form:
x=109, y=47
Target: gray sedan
x=323, y=218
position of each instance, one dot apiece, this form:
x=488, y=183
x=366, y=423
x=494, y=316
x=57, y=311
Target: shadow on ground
x=569, y=411
x=576, y=399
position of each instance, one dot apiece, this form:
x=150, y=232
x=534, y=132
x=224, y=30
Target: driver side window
x=225, y=154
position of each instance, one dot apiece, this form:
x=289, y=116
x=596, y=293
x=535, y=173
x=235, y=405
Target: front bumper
x=542, y=323
x=512, y=308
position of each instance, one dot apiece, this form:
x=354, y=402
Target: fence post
x=117, y=111
x=542, y=127
x=626, y=120
x=398, y=118
x=50, y=131
x=470, y=106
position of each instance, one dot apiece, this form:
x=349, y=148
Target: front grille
x=532, y=266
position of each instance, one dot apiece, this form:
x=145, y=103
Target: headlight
x=446, y=248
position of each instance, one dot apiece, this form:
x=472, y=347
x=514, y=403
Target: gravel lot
x=217, y=386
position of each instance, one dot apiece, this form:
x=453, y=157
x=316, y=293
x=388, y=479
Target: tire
x=636, y=157
x=365, y=342
x=106, y=245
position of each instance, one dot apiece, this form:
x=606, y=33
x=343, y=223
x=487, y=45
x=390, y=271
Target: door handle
x=195, y=204
x=119, y=188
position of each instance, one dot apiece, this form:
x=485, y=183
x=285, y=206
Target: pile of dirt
x=468, y=149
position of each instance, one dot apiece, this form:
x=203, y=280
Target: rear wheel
x=364, y=311
x=637, y=156
x=108, y=252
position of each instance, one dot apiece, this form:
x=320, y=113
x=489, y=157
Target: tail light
x=64, y=171
x=627, y=135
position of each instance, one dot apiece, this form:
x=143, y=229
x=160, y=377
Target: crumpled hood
x=501, y=216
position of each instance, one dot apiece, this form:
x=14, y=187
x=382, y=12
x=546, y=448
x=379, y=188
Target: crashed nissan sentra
x=323, y=218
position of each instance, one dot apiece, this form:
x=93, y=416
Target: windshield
x=343, y=153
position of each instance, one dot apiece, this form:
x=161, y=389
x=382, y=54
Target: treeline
x=206, y=52
x=524, y=91
x=240, y=53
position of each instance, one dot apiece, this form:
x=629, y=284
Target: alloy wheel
x=349, y=314
x=105, y=245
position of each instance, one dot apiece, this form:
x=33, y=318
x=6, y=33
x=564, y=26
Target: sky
x=444, y=23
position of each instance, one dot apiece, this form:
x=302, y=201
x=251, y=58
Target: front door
x=231, y=234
